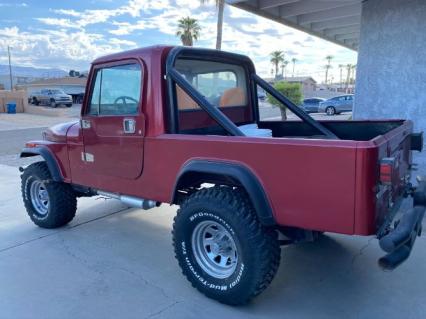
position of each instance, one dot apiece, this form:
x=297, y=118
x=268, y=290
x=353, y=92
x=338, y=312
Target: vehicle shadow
x=334, y=277
x=311, y=275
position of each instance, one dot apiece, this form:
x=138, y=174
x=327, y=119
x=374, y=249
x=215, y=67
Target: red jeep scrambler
x=163, y=125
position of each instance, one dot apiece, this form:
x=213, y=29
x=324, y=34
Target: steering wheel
x=123, y=98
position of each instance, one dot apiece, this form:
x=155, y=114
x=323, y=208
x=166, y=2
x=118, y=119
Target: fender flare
x=231, y=173
x=50, y=160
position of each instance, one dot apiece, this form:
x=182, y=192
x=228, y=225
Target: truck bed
x=345, y=130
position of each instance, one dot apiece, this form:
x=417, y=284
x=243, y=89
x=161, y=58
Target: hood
x=58, y=133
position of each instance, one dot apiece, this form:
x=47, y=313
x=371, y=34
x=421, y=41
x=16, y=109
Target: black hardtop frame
x=174, y=77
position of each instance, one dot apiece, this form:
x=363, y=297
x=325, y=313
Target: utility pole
x=10, y=69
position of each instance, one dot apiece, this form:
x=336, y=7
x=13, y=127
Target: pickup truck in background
x=50, y=97
x=181, y=125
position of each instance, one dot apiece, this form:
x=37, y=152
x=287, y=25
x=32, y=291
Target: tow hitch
x=399, y=241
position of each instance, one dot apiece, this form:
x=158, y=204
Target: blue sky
x=70, y=34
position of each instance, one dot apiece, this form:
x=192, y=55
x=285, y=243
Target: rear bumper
x=399, y=241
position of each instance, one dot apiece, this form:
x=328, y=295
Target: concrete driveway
x=114, y=262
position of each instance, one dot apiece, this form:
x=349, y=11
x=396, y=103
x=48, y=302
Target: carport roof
x=337, y=21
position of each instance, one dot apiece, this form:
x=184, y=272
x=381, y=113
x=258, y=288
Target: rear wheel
x=68, y=105
x=35, y=102
x=222, y=248
x=49, y=204
x=330, y=110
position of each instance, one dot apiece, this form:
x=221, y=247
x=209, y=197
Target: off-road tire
x=62, y=199
x=257, y=246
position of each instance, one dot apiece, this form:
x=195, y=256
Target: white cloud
x=120, y=42
x=134, y=8
x=125, y=28
x=58, y=48
x=59, y=22
x=68, y=12
x=21, y=4
x=65, y=41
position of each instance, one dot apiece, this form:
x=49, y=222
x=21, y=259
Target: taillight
x=387, y=165
x=30, y=145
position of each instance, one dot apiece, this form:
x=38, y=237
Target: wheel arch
x=48, y=157
x=197, y=172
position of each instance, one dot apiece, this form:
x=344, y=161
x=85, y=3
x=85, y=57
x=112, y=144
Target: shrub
x=292, y=91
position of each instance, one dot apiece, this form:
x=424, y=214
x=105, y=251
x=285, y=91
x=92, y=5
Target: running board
x=131, y=200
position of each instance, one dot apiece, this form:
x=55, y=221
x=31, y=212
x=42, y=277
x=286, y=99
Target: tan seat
x=233, y=97
x=184, y=101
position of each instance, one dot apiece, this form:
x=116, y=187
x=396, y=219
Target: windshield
x=56, y=91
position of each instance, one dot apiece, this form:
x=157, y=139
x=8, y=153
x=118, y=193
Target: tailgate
x=393, y=171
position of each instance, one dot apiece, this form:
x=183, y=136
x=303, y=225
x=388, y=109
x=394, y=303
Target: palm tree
x=328, y=67
x=188, y=30
x=220, y=6
x=348, y=76
x=277, y=57
x=283, y=68
x=341, y=66
x=293, y=60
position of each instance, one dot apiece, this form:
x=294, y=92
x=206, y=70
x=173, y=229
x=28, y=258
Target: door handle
x=129, y=126
x=85, y=124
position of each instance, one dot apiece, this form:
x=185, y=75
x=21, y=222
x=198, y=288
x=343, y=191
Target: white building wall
x=391, y=72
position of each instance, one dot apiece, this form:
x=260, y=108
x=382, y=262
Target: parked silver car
x=52, y=97
x=311, y=105
x=338, y=104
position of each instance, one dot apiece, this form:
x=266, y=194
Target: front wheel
x=53, y=103
x=49, y=204
x=222, y=248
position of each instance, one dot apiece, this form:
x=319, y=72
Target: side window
x=222, y=84
x=116, y=90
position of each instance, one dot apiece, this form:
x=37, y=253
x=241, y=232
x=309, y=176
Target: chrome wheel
x=39, y=197
x=214, y=249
